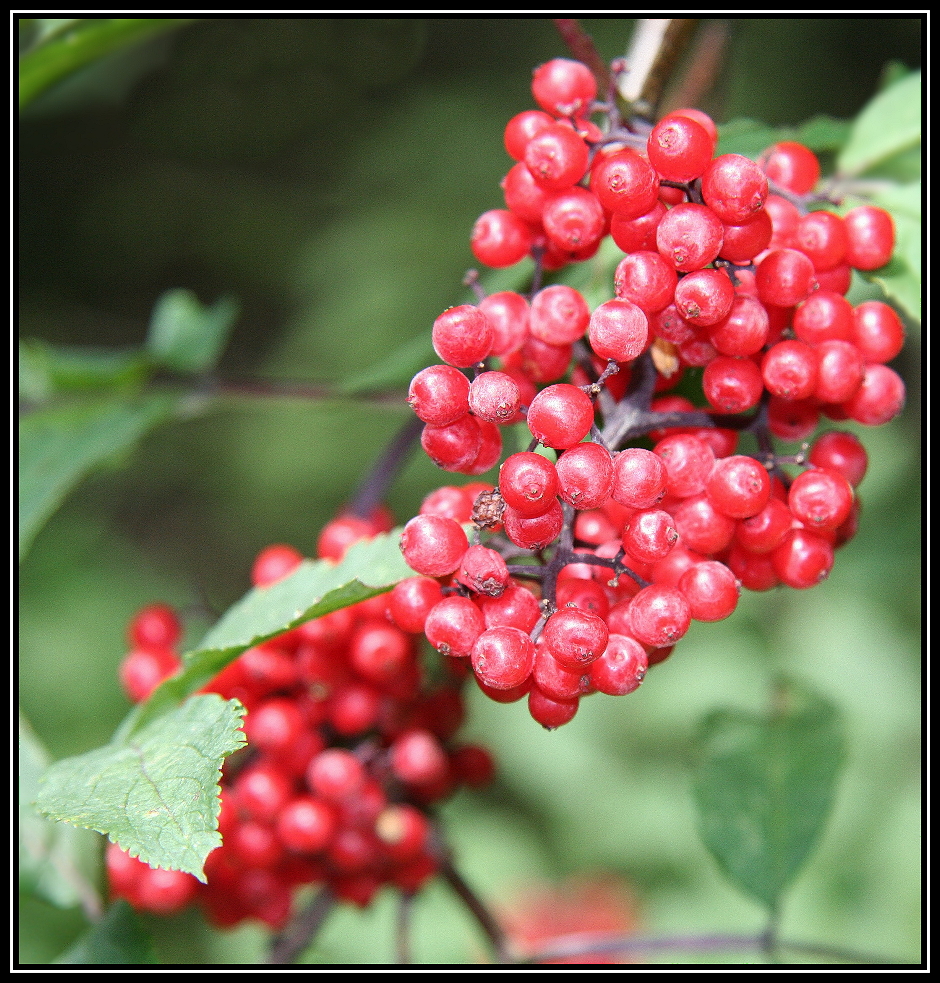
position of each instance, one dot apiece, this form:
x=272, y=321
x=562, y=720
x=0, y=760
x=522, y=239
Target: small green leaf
x=60, y=445
x=185, y=335
x=50, y=370
x=764, y=787
x=316, y=588
x=369, y=568
x=750, y=139
x=119, y=939
x=889, y=125
x=64, y=47
x=155, y=794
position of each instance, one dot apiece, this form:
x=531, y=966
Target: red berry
x=462, y=336
x=870, y=237
x=564, y=87
x=735, y=188
x=155, y=626
x=792, y=166
x=433, y=545
x=503, y=657
x=560, y=416
x=679, y=148
x=575, y=638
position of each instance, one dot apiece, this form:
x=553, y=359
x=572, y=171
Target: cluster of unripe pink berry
x=350, y=742
x=600, y=551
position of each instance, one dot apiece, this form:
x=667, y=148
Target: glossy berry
x=734, y=188
x=679, y=148
x=619, y=331
x=528, y=483
x=503, y=657
x=462, y=336
x=564, y=87
x=870, y=232
x=433, y=545
x=575, y=638
x=560, y=416
x=155, y=626
x=820, y=499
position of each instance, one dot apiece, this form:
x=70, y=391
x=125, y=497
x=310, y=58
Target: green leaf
x=60, y=445
x=50, y=862
x=764, y=787
x=48, y=370
x=63, y=47
x=119, y=939
x=750, y=138
x=888, y=126
x=155, y=794
x=185, y=335
x=316, y=588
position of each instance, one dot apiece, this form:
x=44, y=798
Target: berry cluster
x=349, y=743
x=633, y=511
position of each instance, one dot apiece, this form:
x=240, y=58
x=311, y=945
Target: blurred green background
x=326, y=172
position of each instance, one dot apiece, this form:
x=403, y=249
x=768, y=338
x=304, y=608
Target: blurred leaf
x=751, y=138
x=764, y=787
x=67, y=46
x=156, y=795
x=187, y=336
x=46, y=370
x=49, y=856
x=119, y=939
x=62, y=444
x=889, y=125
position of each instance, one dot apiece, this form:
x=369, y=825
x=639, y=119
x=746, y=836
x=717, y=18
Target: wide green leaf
x=119, y=939
x=888, y=126
x=186, y=335
x=60, y=445
x=156, y=793
x=764, y=786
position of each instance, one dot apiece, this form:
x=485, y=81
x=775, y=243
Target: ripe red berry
x=564, y=87
x=155, y=626
x=560, y=416
x=711, y=589
x=619, y=331
x=734, y=188
x=433, y=545
x=820, y=499
x=574, y=637
x=275, y=563
x=679, y=148
x=462, y=336
x=503, y=657
x=792, y=166
x=870, y=233
x=499, y=238
x=557, y=157
x=439, y=394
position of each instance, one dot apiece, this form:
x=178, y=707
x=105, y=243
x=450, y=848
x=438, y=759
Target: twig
x=298, y=936
x=581, y=45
